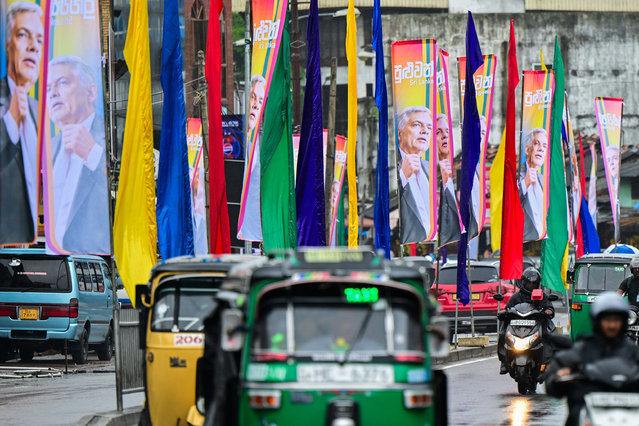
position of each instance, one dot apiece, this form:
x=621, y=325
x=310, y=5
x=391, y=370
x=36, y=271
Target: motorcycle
x=633, y=325
x=524, y=342
x=611, y=387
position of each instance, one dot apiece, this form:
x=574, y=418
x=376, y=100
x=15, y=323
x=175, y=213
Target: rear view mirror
x=118, y=283
x=232, y=335
x=142, y=296
x=570, y=276
x=537, y=294
x=438, y=337
x=498, y=297
x=553, y=297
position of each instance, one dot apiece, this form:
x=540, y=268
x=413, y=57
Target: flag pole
x=470, y=287
x=247, y=89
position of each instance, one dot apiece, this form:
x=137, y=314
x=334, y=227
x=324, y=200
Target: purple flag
x=471, y=147
x=309, y=188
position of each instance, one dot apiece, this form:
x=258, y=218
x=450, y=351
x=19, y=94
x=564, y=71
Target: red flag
x=582, y=181
x=512, y=229
x=218, y=209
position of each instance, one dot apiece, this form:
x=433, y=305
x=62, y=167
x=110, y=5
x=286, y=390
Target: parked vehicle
x=54, y=302
x=524, y=342
x=592, y=275
x=324, y=338
x=485, y=282
x=173, y=304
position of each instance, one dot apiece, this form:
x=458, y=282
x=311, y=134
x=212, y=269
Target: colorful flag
x=609, y=112
x=471, y=147
x=497, y=194
x=220, y=241
x=553, y=248
x=309, y=189
x=279, y=220
x=415, y=101
x=351, y=56
x=449, y=219
x=381, y=214
x=195, y=146
x=175, y=226
x=341, y=145
x=512, y=219
x=135, y=229
x=534, y=163
x=268, y=16
x=592, y=185
x=575, y=187
x=484, y=79
x=579, y=237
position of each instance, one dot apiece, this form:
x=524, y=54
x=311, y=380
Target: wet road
x=478, y=395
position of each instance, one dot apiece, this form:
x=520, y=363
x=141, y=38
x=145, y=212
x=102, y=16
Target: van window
x=107, y=275
x=87, y=277
x=34, y=273
x=80, y=277
x=97, y=273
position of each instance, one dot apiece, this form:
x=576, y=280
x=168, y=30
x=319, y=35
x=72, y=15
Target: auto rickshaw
x=174, y=303
x=323, y=337
x=592, y=275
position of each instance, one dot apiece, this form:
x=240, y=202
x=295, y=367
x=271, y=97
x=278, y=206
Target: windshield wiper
x=360, y=334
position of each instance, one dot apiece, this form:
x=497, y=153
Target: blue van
x=46, y=300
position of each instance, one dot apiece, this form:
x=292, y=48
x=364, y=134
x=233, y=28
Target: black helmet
x=609, y=302
x=530, y=279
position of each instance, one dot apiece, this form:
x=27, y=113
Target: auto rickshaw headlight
x=632, y=317
x=265, y=399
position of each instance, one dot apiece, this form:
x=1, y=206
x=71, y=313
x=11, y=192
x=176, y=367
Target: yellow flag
x=497, y=194
x=351, y=56
x=135, y=227
x=541, y=57
x=564, y=267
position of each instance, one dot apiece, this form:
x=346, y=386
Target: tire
x=5, y=354
x=26, y=354
x=522, y=387
x=105, y=350
x=80, y=352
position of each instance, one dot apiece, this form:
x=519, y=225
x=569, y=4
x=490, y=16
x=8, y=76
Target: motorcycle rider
x=630, y=286
x=609, y=316
x=530, y=280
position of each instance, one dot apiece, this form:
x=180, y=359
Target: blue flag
x=471, y=147
x=175, y=224
x=588, y=229
x=381, y=215
x=309, y=188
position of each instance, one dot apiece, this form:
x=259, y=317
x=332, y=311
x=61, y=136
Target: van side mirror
x=438, y=337
x=232, y=335
x=553, y=297
x=142, y=296
x=119, y=285
x=498, y=297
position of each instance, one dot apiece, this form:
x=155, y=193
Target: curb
x=461, y=354
x=129, y=416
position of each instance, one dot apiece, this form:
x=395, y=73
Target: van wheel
x=5, y=353
x=26, y=354
x=81, y=351
x=105, y=350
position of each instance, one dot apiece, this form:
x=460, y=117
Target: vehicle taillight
x=8, y=310
x=265, y=399
x=54, y=311
x=409, y=358
x=418, y=399
x=271, y=356
x=576, y=307
x=73, y=308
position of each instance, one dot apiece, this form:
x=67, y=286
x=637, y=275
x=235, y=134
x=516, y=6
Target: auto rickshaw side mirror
x=142, y=296
x=232, y=335
x=553, y=297
x=143, y=320
x=570, y=276
x=438, y=337
x=498, y=297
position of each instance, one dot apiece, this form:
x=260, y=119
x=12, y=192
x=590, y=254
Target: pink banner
x=609, y=112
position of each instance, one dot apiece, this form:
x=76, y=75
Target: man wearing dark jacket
x=530, y=280
x=609, y=316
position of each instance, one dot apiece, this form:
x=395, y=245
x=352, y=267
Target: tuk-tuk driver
x=630, y=286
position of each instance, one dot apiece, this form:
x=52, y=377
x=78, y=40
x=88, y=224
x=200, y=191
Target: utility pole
x=204, y=113
x=296, y=44
x=228, y=57
x=330, y=150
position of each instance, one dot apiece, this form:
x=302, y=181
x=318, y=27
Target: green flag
x=279, y=220
x=554, y=247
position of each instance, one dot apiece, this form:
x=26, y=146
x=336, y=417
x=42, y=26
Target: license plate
x=323, y=373
x=614, y=399
x=633, y=328
x=29, y=313
x=523, y=322
x=475, y=296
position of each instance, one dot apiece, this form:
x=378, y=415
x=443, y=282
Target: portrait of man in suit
x=81, y=210
x=19, y=124
x=612, y=161
x=251, y=229
x=475, y=212
x=414, y=131
x=531, y=189
x=450, y=228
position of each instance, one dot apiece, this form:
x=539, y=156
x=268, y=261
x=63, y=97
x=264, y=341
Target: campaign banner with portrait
x=534, y=163
x=338, y=183
x=194, y=143
x=21, y=96
x=268, y=24
x=484, y=80
x=74, y=172
x=450, y=224
x=573, y=177
x=415, y=101
x=609, y=112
